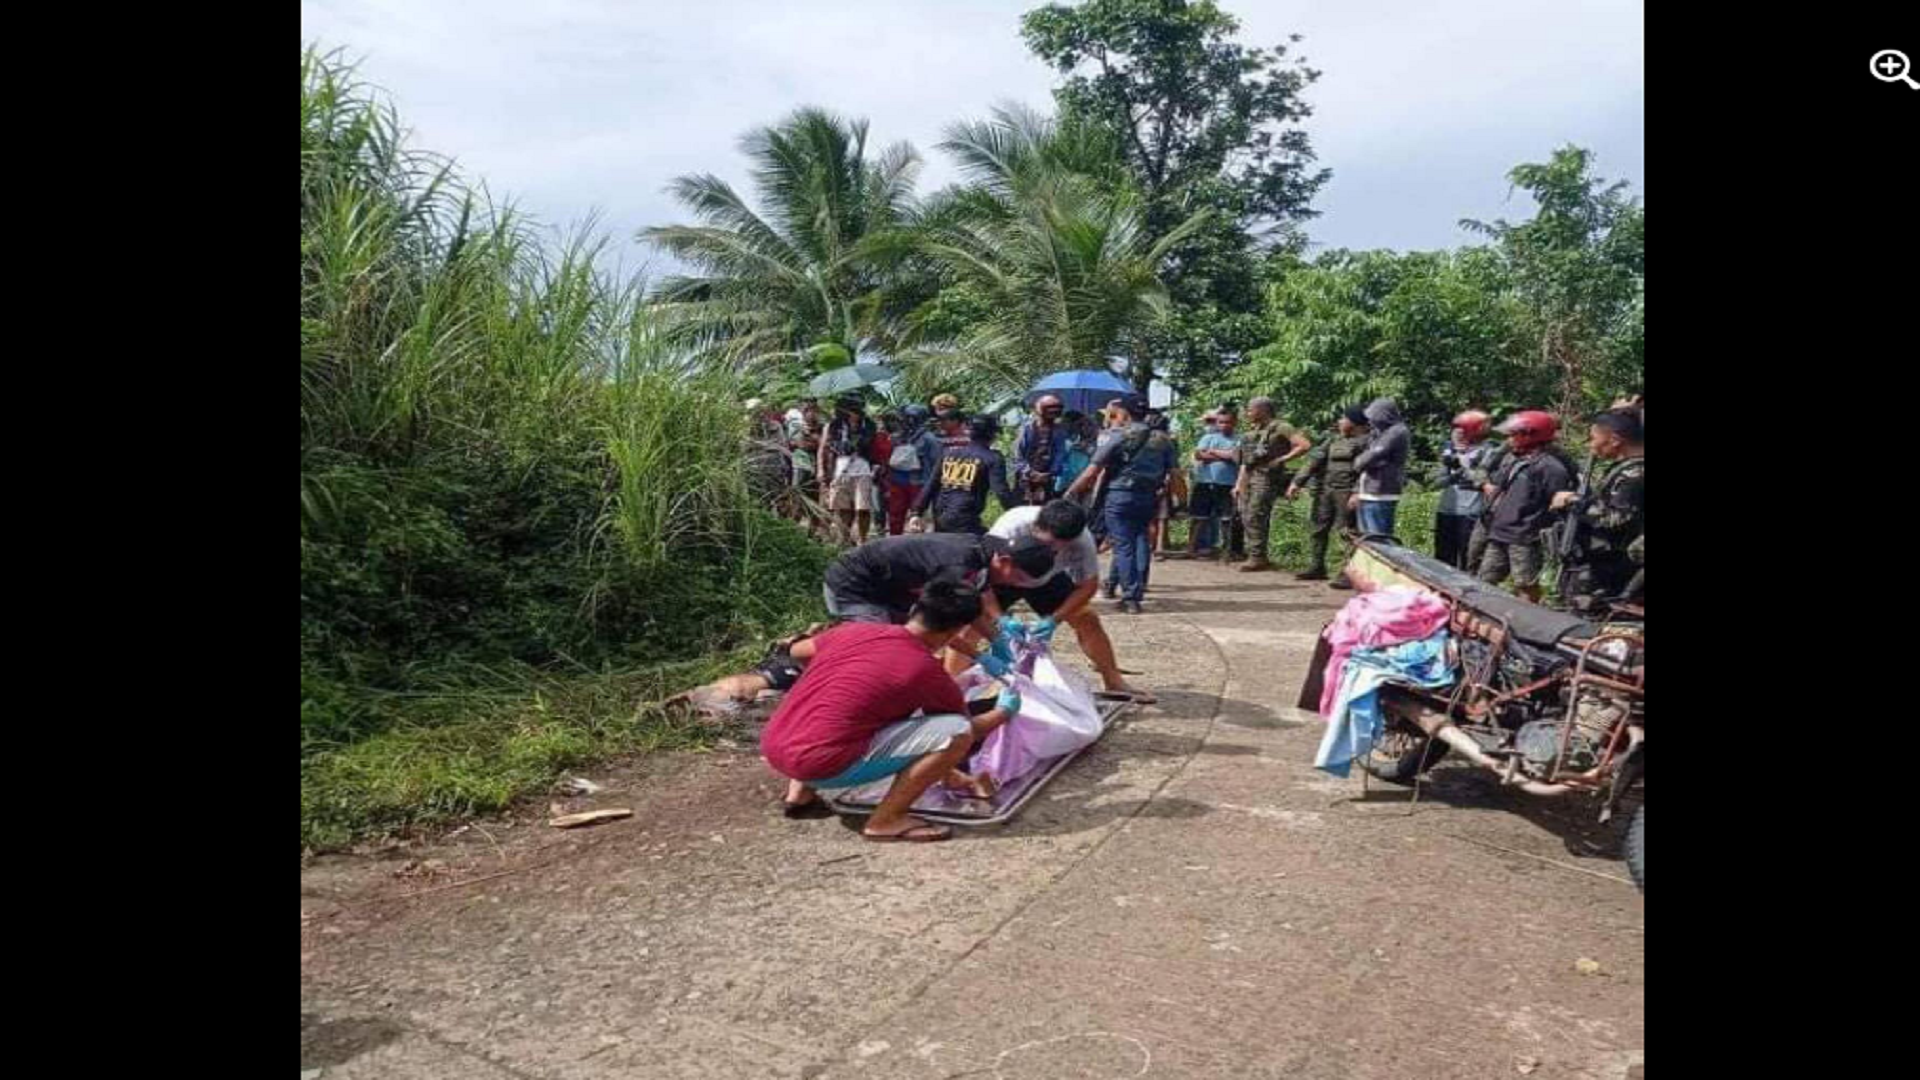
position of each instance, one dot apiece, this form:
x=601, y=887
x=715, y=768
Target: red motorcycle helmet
x=1474, y=423
x=1530, y=428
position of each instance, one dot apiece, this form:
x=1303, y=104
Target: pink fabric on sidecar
x=1382, y=617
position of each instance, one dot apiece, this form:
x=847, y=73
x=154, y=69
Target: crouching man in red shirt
x=852, y=720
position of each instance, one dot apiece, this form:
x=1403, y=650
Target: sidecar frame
x=1480, y=611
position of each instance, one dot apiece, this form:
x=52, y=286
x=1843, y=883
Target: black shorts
x=1044, y=598
x=780, y=670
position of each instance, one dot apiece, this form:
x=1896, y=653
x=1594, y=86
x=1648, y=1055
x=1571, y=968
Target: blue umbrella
x=1081, y=391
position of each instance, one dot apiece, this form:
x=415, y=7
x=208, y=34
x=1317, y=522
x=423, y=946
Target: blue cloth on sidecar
x=1355, y=722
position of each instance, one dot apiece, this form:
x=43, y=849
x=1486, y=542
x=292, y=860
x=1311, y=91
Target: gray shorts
x=897, y=746
x=844, y=610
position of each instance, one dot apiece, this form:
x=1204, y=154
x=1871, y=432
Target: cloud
x=574, y=105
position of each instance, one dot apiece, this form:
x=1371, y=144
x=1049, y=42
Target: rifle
x=1573, y=530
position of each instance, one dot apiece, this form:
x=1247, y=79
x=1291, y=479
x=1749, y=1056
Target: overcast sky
x=571, y=106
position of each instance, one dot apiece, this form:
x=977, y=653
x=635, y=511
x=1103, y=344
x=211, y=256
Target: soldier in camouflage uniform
x=1330, y=479
x=1266, y=447
x=1637, y=585
x=1613, y=516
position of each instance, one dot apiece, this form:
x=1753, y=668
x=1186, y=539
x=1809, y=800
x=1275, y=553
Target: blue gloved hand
x=1002, y=646
x=1009, y=701
x=1011, y=627
x=1042, y=631
x=994, y=666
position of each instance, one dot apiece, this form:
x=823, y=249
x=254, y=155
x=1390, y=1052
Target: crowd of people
x=933, y=596
x=1502, y=504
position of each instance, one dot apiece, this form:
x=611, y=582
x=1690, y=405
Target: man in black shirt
x=880, y=580
x=1522, y=502
x=962, y=477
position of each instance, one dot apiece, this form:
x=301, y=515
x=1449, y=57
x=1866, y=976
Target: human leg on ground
x=1476, y=547
x=1450, y=535
x=1258, y=512
x=1528, y=560
x=1324, y=516
x=1495, y=564
x=1127, y=515
x=891, y=817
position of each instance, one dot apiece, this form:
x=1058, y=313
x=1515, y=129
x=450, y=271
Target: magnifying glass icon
x=1892, y=65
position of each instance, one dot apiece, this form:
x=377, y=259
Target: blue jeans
x=1377, y=517
x=1128, y=513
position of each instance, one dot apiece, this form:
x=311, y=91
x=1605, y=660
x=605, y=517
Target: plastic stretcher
x=951, y=808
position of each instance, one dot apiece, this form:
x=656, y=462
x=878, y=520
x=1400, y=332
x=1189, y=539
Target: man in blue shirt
x=1216, y=468
x=1135, y=466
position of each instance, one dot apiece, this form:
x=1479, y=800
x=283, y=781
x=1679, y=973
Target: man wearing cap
x=1134, y=465
x=1066, y=595
x=846, y=461
x=1265, y=449
x=879, y=582
x=949, y=423
x=1329, y=478
x=1462, y=503
x=962, y=478
x=1040, y=450
x=1614, y=516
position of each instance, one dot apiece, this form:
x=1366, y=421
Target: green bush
x=522, y=515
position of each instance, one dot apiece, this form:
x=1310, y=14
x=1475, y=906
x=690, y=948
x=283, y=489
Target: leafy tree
x=1045, y=257
x=1203, y=122
x=1436, y=331
x=1579, y=266
x=1550, y=316
x=794, y=282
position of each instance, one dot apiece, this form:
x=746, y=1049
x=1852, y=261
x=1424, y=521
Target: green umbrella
x=841, y=380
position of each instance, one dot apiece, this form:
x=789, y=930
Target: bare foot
x=704, y=703
x=980, y=786
x=1139, y=696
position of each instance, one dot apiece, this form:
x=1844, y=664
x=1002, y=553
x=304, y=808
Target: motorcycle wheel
x=1636, y=847
x=1401, y=755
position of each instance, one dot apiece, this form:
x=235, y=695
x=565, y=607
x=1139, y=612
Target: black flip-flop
x=919, y=834
x=813, y=808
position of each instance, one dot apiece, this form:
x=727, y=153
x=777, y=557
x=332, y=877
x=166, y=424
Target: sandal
x=916, y=834
x=812, y=809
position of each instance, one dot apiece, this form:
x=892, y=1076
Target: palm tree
x=794, y=280
x=1045, y=255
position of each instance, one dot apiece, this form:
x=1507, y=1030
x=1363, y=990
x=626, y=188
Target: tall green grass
x=522, y=514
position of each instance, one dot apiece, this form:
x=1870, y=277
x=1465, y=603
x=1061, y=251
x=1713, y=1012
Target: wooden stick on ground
x=1542, y=858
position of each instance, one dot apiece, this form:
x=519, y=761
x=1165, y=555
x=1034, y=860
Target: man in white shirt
x=1066, y=595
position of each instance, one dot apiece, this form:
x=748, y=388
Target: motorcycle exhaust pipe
x=1437, y=726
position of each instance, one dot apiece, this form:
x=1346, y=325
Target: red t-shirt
x=863, y=676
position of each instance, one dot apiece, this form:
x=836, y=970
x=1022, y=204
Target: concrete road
x=1191, y=899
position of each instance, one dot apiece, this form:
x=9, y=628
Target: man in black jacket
x=961, y=480
x=1383, y=469
x=1522, y=496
